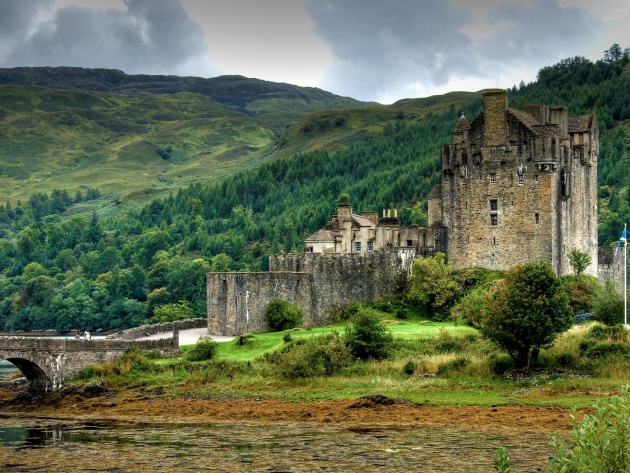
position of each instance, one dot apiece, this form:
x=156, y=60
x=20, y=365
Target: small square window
x=494, y=205
x=493, y=177
x=494, y=220
x=370, y=246
x=357, y=247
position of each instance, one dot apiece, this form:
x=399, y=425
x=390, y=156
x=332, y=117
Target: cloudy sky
x=381, y=50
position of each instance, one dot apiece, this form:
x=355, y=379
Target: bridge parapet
x=47, y=362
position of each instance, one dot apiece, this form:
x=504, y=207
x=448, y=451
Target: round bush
x=204, y=349
x=282, y=315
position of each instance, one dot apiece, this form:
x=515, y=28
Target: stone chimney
x=560, y=116
x=344, y=212
x=539, y=111
x=371, y=216
x=495, y=105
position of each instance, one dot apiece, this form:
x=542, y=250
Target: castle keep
x=519, y=186
x=516, y=186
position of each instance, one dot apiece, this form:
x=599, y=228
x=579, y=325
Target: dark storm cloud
x=539, y=31
x=17, y=16
x=389, y=48
x=149, y=36
x=387, y=45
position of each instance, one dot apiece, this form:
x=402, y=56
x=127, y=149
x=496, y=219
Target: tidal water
x=251, y=447
x=6, y=368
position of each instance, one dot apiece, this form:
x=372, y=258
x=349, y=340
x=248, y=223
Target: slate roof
x=436, y=192
x=362, y=221
x=551, y=130
x=580, y=123
x=323, y=235
x=525, y=118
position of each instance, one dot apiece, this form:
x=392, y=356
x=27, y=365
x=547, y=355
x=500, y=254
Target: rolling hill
x=135, y=137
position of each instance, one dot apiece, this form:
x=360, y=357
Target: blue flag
x=623, y=238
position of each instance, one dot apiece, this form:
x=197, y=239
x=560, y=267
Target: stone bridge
x=47, y=362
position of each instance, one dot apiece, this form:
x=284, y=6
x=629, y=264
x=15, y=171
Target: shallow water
x=252, y=447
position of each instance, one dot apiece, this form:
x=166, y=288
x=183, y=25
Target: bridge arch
x=47, y=362
x=36, y=376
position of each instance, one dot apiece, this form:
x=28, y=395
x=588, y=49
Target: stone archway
x=36, y=376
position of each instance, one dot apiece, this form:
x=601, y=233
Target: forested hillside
x=65, y=272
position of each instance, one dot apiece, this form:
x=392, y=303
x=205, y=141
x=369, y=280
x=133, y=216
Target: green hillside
x=138, y=137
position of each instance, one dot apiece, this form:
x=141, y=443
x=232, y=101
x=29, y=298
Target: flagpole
x=625, y=276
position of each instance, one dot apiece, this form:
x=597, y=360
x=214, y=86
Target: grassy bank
x=429, y=363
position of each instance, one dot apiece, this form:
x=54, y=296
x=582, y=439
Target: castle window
x=536, y=178
x=357, y=247
x=370, y=246
x=494, y=205
x=493, y=177
x=409, y=243
x=494, y=220
x=521, y=178
x=494, y=241
x=537, y=219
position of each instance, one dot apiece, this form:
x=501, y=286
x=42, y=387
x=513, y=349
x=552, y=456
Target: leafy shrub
x=286, y=338
x=603, y=349
x=565, y=359
x=367, y=337
x=282, y=315
x=204, y=349
x=410, y=368
x=608, y=305
x=502, y=364
x=470, y=307
x=132, y=360
x=611, y=332
x=452, y=366
x=317, y=356
x=599, y=443
x=446, y=342
x=581, y=290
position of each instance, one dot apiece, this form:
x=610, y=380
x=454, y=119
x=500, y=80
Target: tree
x=367, y=337
x=613, y=53
x=172, y=312
x=579, y=261
x=526, y=312
x=434, y=285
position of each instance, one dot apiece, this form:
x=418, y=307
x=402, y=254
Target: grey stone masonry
x=47, y=362
x=319, y=284
x=152, y=329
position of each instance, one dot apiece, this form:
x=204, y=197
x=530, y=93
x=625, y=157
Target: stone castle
x=516, y=186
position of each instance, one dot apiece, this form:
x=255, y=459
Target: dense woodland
x=70, y=273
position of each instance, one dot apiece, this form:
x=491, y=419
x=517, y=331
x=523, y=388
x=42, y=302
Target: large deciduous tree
x=527, y=311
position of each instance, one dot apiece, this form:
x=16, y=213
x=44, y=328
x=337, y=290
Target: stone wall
x=611, y=266
x=152, y=329
x=319, y=284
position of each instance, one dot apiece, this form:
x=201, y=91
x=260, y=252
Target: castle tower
x=518, y=186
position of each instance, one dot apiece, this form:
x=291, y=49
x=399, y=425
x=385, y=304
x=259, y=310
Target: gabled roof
x=323, y=235
x=361, y=221
x=525, y=118
x=436, y=192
